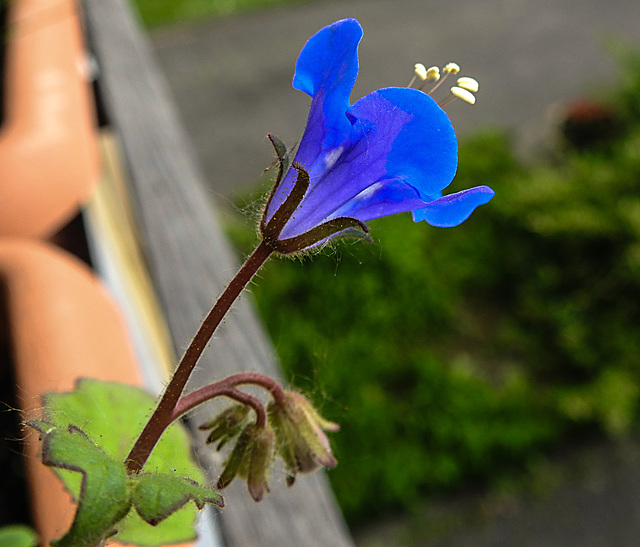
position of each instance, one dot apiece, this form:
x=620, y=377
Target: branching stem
x=163, y=414
x=227, y=388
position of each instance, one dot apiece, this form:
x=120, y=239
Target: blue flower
x=392, y=151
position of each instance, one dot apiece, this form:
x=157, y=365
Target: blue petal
x=399, y=135
x=329, y=60
x=453, y=209
x=339, y=174
x=425, y=152
x=381, y=199
x=327, y=69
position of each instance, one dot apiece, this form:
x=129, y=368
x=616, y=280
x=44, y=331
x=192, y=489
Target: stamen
x=433, y=75
x=463, y=94
x=425, y=74
x=459, y=93
x=451, y=68
x=421, y=71
x=464, y=89
x=470, y=84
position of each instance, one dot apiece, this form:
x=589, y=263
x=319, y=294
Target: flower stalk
x=164, y=412
x=171, y=406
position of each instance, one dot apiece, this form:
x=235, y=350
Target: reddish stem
x=204, y=394
x=162, y=415
x=227, y=388
x=273, y=387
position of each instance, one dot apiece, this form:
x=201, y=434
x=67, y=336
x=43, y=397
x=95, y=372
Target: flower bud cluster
x=295, y=431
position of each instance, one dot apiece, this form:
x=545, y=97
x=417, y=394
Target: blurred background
x=486, y=377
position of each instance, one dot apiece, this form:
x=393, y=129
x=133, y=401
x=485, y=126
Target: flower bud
x=227, y=425
x=261, y=457
x=237, y=462
x=299, y=430
x=250, y=459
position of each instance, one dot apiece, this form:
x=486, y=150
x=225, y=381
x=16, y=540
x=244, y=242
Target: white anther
x=451, y=68
x=470, y=84
x=420, y=71
x=433, y=73
x=463, y=94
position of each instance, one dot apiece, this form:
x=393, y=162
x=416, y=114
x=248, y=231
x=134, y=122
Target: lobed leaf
x=113, y=414
x=103, y=500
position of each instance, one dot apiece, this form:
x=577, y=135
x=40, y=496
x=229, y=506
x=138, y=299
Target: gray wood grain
x=190, y=262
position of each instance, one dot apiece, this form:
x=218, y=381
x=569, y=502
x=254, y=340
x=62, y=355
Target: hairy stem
x=162, y=416
x=227, y=388
x=202, y=395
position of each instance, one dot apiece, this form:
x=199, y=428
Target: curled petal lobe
x=328, y=63
x=326, y=70
x=453, y=209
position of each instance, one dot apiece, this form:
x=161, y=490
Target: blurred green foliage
x=453, y=356
x=162, y=12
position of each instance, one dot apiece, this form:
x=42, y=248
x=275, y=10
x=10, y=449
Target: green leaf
x=18, y=536
x=156, y=496
x=113, y=414
x=103, y=499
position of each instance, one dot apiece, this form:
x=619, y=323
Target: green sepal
x=284, y=157
x=285, y=431
x=271, y=230
x=356, y=233
x=103, y=500
x=261, y=459
x=319, y=233
x=284, y=164
x=227, y=425
x=237, y=462
x=155, y=496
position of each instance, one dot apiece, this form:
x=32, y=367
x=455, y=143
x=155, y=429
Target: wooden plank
x=190, y=262
x=111, y=233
